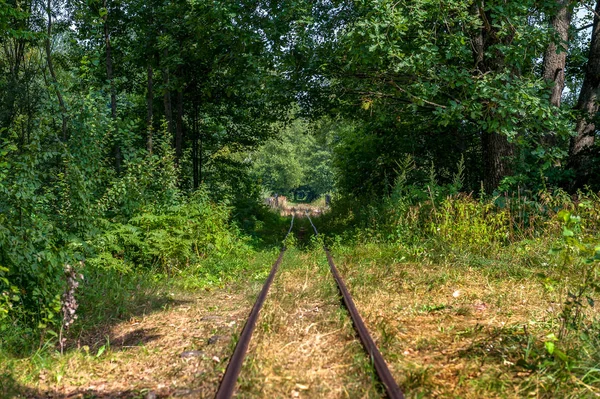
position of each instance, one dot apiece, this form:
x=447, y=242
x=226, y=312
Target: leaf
x=549, y=346
x=101, y=350
x=52, y=333
x=561, y=355
x=567, y=232
x=590, y=301
x=564, y=215
x=551, y=337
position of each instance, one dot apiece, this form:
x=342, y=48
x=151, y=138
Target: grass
x=305, y=345
x=450, y=329
x=451, y=323
x=134, y=329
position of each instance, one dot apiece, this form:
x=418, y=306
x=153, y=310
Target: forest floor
x=445, y=330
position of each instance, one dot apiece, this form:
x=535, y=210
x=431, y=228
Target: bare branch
x=584, y=27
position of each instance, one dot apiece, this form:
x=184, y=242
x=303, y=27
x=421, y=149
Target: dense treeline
x=298, y=162
x=483, y=81
x=120, y=120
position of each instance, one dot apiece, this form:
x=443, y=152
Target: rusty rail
x=232, y=372
x=385, y=376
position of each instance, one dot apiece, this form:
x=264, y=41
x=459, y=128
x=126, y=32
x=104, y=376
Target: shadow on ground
x=10, y=389
x=96, y=337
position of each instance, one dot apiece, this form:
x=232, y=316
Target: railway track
x=228, y=382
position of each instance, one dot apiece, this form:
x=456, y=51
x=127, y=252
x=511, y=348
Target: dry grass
x=454, y=331
x=446, y=331
x=305, y=345
x=149, y=353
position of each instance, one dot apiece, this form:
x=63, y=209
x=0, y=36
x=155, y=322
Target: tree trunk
x=497, y=152
x=113, y=93
x=200, y=156
x=61, y=102
x=497, y=156
x=195, y=163
x=587, y=106
x=167, y=93
x=179, y=126
x=555, y=57
x=150, y=105
x=14, y=53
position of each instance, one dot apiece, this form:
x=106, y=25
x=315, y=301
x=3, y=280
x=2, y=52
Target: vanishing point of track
x=227, y=386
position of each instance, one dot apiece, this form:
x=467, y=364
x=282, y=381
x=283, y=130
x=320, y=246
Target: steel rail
x=385, y=376
x=227, y=386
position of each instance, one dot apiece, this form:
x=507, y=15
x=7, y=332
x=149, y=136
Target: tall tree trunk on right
x=587, y=106
x=555, y=57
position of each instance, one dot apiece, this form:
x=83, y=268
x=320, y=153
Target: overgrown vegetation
x=548, y=237
x=137, y=139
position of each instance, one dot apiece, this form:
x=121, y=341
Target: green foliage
x=150, y=182
x=9, y=294
x=299, y=160
x=418, y=210
x=414, y=77
x=578, y=251
x=168, y=241
x=401, y=101
x=464, y=223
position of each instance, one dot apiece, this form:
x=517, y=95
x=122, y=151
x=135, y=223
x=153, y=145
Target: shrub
x=169, y=240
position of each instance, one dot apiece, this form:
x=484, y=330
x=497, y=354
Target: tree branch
x=584, y=27
x=416, y=97
x=592, y=10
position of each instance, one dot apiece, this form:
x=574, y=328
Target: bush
x=169, y=240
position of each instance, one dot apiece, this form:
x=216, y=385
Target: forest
x=447, y=151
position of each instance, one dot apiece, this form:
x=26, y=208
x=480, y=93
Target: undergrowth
x=130, y=241
x=548, y=236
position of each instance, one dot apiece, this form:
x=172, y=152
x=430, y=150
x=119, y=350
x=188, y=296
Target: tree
x=297, y=161
x=587, y=107
x=442, y=67
x=555, y=56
